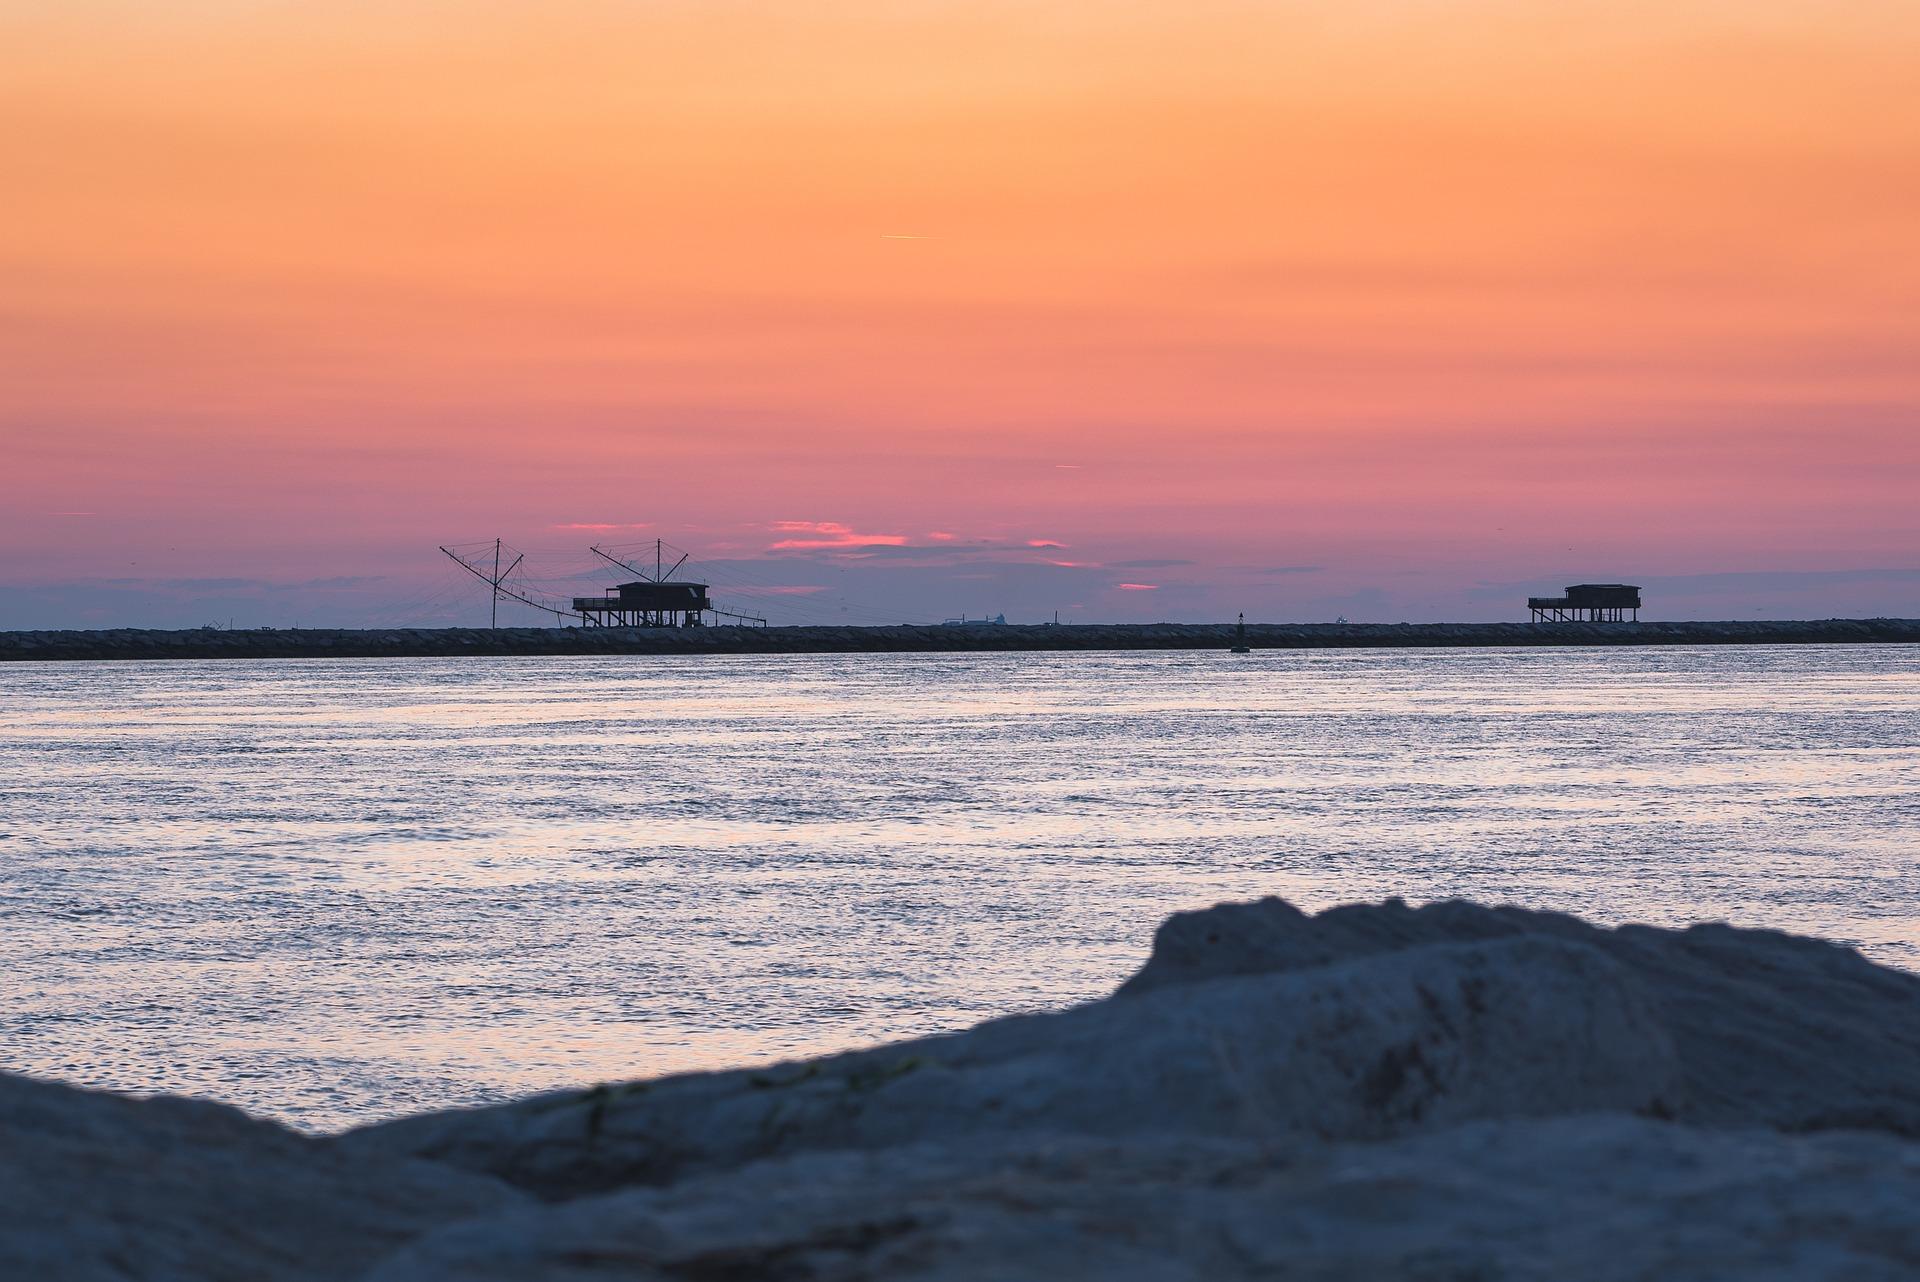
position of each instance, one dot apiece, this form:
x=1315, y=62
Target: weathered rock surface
x=1596, y=1197
x=1771, y=1029
x=94, y=1185
x=1385, y=1046
x=1379, y=1091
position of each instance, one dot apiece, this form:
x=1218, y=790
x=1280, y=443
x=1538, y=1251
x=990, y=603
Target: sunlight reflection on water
x=332, y=891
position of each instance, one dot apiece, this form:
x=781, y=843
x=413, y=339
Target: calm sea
x=336, y=891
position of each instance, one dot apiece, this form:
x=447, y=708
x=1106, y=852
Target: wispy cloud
x=1044, y=543
x=830, y=534
x=238, y=584
x=604, y=525
x=898, y=554
x=1138, y=587
x=345, y=581
x=213, y=584
x=1150, y=563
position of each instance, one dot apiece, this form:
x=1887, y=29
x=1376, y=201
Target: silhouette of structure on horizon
x=645, y=604
x=1588, y=603
x=496, y=580
x=651, y=601
x=656, y=602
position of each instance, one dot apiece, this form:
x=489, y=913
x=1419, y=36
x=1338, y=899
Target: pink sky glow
x=1386, y=310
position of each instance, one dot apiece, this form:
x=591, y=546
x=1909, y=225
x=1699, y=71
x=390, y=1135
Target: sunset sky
x=1397, y=309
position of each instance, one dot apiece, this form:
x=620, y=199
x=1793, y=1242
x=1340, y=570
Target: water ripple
x=331, y=891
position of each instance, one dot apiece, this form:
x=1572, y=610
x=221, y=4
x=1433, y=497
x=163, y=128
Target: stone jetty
x=324, y=643
x=1379, y=1091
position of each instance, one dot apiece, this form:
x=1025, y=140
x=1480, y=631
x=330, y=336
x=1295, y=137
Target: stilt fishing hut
x=1588, y=603
x=646, y=604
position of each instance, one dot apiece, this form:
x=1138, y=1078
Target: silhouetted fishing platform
x=318, y=643
x=1588, y=603
x=646, y=604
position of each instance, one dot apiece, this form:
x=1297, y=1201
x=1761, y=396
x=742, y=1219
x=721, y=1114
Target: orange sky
x=1465, y=294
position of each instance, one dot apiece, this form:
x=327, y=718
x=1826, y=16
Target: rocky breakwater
x=1378, y=1091
x=362, y=643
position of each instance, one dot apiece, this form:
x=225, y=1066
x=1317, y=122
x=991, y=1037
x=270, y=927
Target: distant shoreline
x=312, y=643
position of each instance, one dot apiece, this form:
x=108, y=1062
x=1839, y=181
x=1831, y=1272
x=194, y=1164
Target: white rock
x=1379, y=1046
x=1449, y=1093
x=99, y=1186
x=1595, y=1197
x=1771, y=1029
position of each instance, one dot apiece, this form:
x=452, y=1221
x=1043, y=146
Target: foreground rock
x=1394, y=1044
x=1770, y=1029
x=100, y=1186
x=1447, y=1092
x=1597, y=1197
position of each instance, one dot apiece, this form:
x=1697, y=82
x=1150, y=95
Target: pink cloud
x=941, y=536
x=831, y=534
x=604, y=525
x=1138, y=587
x=1072, y=565
x=1044, y=543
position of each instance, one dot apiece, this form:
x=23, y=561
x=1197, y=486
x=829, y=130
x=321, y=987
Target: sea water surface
x=336, y=891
